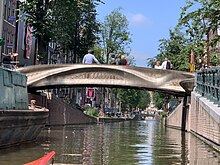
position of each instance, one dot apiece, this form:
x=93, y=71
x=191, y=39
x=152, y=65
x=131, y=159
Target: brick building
x=9, y=26
x=18, y=37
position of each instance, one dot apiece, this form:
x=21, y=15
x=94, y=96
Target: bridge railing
x=208, y=84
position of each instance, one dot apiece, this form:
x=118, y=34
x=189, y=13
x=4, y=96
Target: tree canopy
x=134, y=98
x=198, y=18
x=72, y=24
x=115, y=37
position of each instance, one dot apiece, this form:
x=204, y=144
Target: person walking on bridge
x=166, y=64
x=89, y=58
x=123, y=61
x=112, y=60
x=157, y=65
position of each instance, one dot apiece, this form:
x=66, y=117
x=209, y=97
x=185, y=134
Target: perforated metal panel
x=13, y=90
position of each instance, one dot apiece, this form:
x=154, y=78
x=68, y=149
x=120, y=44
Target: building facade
x=18, y=37
x=9, y=26
x=1, y=23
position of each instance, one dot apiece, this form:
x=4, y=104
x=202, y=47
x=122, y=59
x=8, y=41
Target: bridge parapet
x=208, y=84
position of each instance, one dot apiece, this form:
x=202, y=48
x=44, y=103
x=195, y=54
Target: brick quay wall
x=202, y=119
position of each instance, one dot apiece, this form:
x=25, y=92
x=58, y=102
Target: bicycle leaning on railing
x=9, y=62
x=208, y=84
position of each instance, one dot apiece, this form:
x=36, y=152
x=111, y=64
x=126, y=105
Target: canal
x=121, y=143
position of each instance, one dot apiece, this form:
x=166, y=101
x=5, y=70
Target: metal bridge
x=54, y=75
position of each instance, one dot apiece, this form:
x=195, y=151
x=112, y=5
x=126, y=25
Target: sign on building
x=90, y=92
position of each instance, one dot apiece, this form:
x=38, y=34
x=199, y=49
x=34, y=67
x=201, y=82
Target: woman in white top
x=157, y=65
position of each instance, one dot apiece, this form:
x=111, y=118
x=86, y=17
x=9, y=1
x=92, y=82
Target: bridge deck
x=49, y=76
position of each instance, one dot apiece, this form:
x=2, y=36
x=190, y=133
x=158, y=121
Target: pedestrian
x=171, y=66
x=157, y=65
x=101, y=113
x=112, y=60
x=123, y=61
x=166, y=64
x=204, y=66
x=89, y=58
x=201, y=63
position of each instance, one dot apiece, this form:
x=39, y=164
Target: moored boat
x=18, y=123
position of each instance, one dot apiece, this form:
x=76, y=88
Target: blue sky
x=149, y=21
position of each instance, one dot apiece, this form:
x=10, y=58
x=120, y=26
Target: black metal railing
x=208, y=84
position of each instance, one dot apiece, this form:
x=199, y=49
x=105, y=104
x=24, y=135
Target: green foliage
x=134, y=98
x=175, y=50
x=115, y=37
x=38, y=16
x=98, y=54
x=159, y=99
x=197, y=19
x=201, y=21
x=198, y=23
x=72, y=24
x=91, y=112
x=144, y=99
x=215, y=59
x=78, y=31
x=151, y=62
x=164, y=114
x=2, y=41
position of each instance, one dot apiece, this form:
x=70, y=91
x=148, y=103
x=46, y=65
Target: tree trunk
x=42, y=50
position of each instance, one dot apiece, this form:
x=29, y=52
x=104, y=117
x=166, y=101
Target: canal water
x=120, y=143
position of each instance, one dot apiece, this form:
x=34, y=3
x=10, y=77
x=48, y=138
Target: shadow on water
x=123, y=143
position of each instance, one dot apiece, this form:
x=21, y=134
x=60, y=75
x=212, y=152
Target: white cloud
x=138, y=19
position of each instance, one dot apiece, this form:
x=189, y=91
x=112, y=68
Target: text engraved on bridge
x=96, y=75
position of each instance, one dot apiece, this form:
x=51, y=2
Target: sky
x=149, y=21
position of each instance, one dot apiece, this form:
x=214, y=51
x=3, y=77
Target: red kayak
x=45, y=160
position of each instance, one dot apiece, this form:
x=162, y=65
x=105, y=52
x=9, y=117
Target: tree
x=134, y=98
x=38, y=16
x=72, y=24
x=159, y=99
x=200, y=23
x=78, y=31
x=144, y=99
x=115, y=37
x=190, y=35
x=175, y=49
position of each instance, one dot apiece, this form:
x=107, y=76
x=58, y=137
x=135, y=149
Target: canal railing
x=208, y=84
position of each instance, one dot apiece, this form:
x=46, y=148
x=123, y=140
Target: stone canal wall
x=174, y=119
x=64, y=114
x=202, y=119
x=205, y=119
x=61, y=113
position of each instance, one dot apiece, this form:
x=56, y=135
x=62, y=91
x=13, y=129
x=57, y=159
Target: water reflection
x=124, y=143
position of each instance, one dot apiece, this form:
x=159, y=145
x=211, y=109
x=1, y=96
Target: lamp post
x=207, y=51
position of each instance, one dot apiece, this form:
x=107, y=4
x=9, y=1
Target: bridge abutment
x=201, y=117
x=61, y=113
x=179, y=118
x=205, y=120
